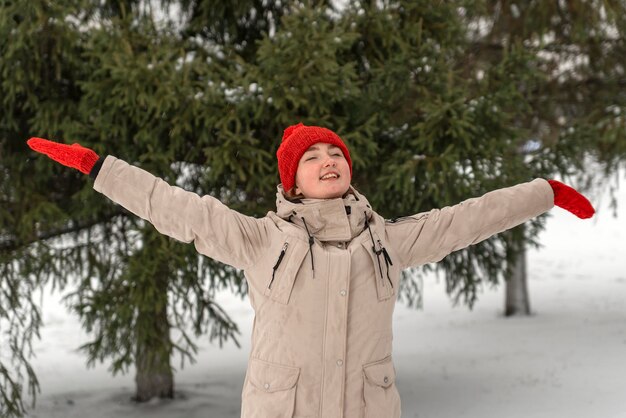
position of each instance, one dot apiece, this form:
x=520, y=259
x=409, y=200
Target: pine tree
x=112, y=77
x=575, y=104
x=19, y=324
x=434, y=109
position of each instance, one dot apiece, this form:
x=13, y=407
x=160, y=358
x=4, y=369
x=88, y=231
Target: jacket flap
x=271, y=377
x=381, y=373
x=280, y=282
x=294, y=257
x=383, y=288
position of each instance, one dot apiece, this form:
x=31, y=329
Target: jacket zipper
x=400, y=219
x=388, y=261
x=416, y=217
x=280, y=258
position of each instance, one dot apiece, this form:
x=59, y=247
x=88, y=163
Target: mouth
x=330, y=177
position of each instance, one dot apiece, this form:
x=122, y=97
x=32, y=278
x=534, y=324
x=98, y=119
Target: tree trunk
x=517, y=301
x=153, y=351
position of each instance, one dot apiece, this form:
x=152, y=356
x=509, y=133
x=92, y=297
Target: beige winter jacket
x=323, y=277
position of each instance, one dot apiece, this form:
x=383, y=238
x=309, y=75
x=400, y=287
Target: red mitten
x=569, y=199
x=75, y=156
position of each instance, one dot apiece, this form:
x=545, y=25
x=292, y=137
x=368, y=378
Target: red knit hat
x=296, y=140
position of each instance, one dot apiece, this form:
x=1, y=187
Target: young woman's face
x=316, y=164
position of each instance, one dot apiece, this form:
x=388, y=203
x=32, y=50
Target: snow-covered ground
x=567, y=360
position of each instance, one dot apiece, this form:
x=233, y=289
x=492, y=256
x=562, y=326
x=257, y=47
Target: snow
x=567, y=359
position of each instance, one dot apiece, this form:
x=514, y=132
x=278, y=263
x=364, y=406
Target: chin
x=339, y=193
x=333, y=193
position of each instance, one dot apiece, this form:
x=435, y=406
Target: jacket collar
x=339, y=219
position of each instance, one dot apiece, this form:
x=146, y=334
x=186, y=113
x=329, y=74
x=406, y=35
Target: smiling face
x=323, y=172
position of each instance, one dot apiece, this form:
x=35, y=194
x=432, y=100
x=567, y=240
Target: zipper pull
x=280, y=259
x=380, y=268
x=388, y=261
x=387, y=258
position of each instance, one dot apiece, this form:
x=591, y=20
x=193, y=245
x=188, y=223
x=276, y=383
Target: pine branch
x=13, y=244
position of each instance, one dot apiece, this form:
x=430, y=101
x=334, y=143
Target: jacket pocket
x=285, y=269
x=269, y=390
x=379, y=390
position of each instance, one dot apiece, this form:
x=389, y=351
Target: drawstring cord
x=311, y=241
x=378, y=252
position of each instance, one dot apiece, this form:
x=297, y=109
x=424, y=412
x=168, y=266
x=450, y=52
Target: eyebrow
x=316, y=148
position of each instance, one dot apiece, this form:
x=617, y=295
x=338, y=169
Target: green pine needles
x=438, y=102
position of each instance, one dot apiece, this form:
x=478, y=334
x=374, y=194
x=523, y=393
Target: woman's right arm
x=216, y=230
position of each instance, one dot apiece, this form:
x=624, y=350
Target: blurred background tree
x=438, y=102
x=574, y=98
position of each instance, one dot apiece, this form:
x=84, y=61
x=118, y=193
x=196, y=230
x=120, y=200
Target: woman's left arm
x=429, y=236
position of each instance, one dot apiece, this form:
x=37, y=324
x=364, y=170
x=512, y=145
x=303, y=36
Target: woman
x=322, y=270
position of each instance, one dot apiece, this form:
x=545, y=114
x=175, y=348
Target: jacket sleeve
x=429, y=236
x=216, y=231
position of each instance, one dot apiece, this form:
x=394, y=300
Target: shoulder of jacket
x=282, y=228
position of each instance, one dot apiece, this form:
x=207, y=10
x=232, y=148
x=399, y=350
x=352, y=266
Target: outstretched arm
x=216, y=230
x=429, y=236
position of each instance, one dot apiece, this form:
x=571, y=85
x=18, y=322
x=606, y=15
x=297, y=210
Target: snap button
x=386, y=379
x=343, y=293
x=339, y=363
x=266, y=386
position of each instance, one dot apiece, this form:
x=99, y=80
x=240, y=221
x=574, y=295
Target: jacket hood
x=338, y=219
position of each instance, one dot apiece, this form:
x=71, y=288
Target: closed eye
x=332, y=155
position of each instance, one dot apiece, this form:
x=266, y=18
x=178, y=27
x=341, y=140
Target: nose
x=330, y=161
